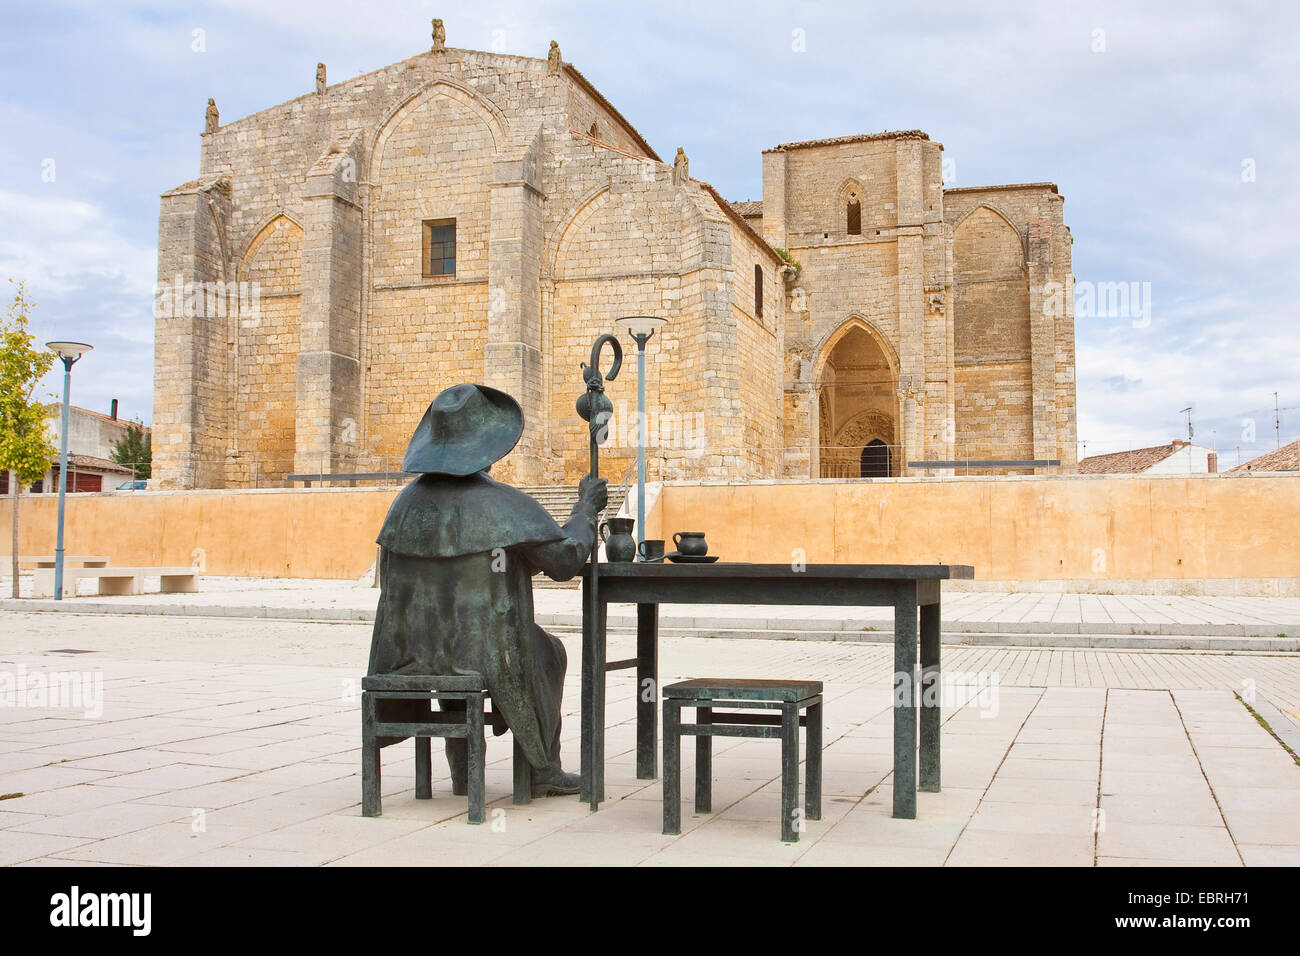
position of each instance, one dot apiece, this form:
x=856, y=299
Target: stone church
x=470, y=216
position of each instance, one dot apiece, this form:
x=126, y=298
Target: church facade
x=471, y=216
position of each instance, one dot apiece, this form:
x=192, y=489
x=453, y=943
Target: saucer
x=690, y=558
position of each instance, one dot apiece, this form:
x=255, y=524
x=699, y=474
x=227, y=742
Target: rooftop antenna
x=1188, y=412
x=1277, y=421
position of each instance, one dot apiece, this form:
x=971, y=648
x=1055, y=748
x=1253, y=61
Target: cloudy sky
x=1170, y=128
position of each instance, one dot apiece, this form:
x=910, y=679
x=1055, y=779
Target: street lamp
x=640, y=327
x=69, y=352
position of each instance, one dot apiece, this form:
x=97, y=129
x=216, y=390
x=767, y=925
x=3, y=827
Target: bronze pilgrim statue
x=458, y=553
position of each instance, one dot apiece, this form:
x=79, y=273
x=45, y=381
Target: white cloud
x=58, y=244
x=89, y=284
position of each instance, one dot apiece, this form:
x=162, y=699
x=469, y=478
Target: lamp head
x=69, y=351
x=641, y=327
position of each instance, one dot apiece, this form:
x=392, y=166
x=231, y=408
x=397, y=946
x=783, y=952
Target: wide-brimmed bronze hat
x=465, y=429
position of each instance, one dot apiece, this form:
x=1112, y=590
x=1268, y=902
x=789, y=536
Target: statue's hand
x=593, y=493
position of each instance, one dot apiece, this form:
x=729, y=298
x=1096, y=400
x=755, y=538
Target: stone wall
x=192, y=343
x=266, y=356
x=630, y=241
x=1010, y=243
x=755, y=404
x=991, y=340
x=425, y=334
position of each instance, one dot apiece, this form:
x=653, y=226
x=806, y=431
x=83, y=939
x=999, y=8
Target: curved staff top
x=594, y=406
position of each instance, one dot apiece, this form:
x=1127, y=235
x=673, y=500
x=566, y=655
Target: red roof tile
x=1286, y=458
x=90, y=462
x=1126, y=462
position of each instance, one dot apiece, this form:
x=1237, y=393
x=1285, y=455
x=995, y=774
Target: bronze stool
x=437, y=723
x=754, y=696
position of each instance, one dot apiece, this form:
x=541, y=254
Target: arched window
x=758, y=291
x=592, y=131
x=874, y=462
x=854, y=216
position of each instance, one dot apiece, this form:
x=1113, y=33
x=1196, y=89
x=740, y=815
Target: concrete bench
x=47, y=560
x=116, y=580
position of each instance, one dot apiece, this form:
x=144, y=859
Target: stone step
x=559, y=501
x=1286, y=636
x=968, y=638
x=569, y=624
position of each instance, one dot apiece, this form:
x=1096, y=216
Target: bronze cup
x=651, y=549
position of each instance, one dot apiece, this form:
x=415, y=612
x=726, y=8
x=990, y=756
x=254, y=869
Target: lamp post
x=69, y=352
x=641, y=328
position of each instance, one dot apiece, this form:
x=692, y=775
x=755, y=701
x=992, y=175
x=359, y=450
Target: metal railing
x=687, y=460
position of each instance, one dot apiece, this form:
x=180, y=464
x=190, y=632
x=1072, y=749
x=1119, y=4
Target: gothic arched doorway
x=875, y=459
x=857, y=392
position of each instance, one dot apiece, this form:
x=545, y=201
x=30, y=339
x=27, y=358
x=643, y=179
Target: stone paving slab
x=236, y=743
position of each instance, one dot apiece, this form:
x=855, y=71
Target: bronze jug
x=691, y=543
x=617, y=535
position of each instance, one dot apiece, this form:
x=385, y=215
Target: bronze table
x=907, y=588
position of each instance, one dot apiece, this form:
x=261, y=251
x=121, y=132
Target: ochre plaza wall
x=1011, y=529
x=301, y=533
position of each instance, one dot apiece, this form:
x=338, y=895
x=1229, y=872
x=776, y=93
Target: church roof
x=569, y=69
x=748, y=208
x=856, y=138
x=1002, y=188
x=737, y=218
x=591, y=90
x=728, y=208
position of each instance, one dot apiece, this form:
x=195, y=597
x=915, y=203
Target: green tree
x=25, y=447
x=134, y=448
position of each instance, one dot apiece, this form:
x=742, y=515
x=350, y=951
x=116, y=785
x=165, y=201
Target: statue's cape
x=437, y=516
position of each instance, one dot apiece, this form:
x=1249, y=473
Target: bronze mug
x=651, y=549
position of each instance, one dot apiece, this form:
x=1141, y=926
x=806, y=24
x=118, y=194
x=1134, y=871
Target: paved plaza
x=236, y=741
